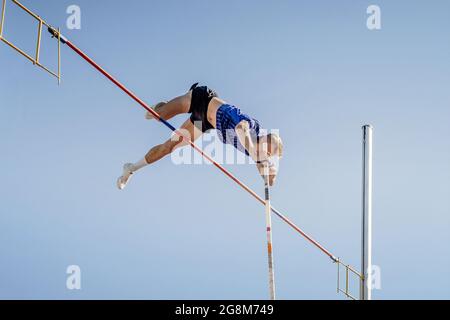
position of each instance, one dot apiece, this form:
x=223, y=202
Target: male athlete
x=208, y=111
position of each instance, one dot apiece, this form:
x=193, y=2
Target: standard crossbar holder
x=349, y=270
x=33, y=58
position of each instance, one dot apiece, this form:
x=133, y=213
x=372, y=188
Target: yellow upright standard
x=33, y=58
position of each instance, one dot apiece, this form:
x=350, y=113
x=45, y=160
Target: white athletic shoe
x=127, y=173
x=150, y=116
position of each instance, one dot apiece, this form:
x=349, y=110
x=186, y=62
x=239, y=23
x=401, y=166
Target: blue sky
x=311, y=69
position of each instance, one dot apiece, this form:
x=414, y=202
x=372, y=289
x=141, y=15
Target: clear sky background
x=311, y=69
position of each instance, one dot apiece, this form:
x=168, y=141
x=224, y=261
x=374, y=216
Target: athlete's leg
x=158, y=152
x=168, y=110
x=188, y=130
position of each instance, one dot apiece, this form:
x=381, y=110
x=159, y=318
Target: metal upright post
x=366, y=245
x=2, y=18
x=269, y=233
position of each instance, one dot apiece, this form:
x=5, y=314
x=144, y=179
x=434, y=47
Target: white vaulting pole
x=269, y=233
x=366, y=238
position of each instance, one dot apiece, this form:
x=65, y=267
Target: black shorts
x=201, y=96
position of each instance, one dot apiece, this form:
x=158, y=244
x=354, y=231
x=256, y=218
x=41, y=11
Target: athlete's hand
x=273, y=171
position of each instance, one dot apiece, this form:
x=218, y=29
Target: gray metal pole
x=366, y=245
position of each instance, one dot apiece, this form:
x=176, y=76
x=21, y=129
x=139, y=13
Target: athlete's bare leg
x=187, y=129
x=168, y=110
x=156, y=153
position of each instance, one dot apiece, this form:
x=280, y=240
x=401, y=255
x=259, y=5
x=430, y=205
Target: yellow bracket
x=41, y=23
x=348, y=270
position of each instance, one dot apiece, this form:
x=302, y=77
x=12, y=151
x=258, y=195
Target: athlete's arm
x=244, y=136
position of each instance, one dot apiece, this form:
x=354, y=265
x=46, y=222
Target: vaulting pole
x=366, y=237
x=269, y=233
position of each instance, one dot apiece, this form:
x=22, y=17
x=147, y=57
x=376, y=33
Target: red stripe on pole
x=226, y=172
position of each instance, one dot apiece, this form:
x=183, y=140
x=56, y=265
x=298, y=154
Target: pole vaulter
x=55, y=33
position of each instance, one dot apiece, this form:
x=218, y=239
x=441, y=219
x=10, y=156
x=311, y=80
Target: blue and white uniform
x=227, y=118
